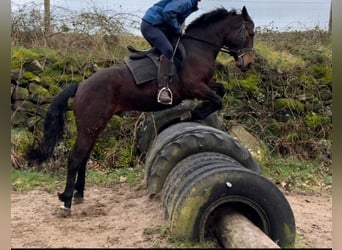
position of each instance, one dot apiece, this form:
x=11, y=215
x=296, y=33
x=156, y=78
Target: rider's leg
x=157, y=38
x=165, y=76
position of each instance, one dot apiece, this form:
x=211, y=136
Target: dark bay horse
x=113, y=90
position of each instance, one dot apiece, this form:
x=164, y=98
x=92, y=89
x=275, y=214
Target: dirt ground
x=124, y=216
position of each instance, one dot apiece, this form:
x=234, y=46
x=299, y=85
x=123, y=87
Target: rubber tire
x=183, y=139
x=154, y=122
x=232, y=187
x=183, y=172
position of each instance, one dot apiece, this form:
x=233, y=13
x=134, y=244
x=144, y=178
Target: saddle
x=144, y=64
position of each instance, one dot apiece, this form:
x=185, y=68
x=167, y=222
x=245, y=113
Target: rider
x=160, y=22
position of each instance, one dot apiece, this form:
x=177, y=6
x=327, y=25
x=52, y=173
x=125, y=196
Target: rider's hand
x=183, y=32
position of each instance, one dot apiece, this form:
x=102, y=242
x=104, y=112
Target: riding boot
x=165, y=76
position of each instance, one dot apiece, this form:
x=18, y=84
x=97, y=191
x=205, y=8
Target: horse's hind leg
x=76, y=164
x=80, y=183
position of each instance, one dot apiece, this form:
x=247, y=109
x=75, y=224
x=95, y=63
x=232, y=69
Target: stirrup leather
x=169, y=91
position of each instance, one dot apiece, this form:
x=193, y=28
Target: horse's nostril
x=245, y=67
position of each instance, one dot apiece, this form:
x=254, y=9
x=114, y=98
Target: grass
x=289, y=173
x=110, y=177
x=162, y=233
x=27, y=179
x=295, y=175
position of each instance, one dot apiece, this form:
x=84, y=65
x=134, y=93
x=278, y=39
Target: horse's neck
x=213, y=34
x=202, y=44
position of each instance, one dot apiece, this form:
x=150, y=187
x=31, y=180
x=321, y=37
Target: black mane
x=210, y=17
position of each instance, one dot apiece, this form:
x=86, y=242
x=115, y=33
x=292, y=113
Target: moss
x=47, y=80
x=21, y=55
x=18, y=118
x=21, y=94
x=282, y=61
x=20, y=140
x=64, y=61
x=39, y=94
x=184, y=217
x=289, y=104
x=105, y=148
x=306, y=79
x=70, y=129
x=292, y=136
x=251, y=84
x=71, y=78
x=30, y=77
x=314, y=120
x=289, y=235
x=231, y=102
x=125, y=158
x=120, y=156
x=322, y=73
x=275, y=127
x=109, y=146
x=54, y=90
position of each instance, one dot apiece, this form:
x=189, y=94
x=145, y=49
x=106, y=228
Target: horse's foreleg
x=212, y=102
x=202, y=110
x=218, y=88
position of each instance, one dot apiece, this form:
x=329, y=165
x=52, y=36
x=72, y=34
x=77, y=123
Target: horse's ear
x=245, y=13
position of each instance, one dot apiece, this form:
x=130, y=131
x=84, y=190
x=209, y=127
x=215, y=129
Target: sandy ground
x=124, y=216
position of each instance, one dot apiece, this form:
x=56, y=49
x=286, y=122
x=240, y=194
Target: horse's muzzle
x=244, y=61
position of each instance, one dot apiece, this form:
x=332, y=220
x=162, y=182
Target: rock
x=20, y=93
x=256, y=147
x=15, y=75
x=34, y=66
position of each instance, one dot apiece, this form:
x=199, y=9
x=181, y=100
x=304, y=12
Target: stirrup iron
x=170, y=93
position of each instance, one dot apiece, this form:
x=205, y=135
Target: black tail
x=53, y=126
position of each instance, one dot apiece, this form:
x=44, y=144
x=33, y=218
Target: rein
x=224, y=48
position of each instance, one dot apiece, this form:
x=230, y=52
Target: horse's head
x=240, y=42
x=222, y=30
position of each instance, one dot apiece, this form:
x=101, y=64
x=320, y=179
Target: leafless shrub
x=89, y=26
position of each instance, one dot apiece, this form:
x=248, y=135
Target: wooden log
x=237, y=231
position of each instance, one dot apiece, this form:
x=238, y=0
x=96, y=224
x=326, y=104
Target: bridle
x=239, y=53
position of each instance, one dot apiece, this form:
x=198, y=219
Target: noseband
x=240, y=53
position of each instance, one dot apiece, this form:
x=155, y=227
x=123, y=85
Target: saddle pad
x=143, y=69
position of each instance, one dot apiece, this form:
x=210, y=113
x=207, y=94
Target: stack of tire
x=199, y=171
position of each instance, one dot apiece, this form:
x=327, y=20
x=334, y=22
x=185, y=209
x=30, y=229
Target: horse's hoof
x=78, y=200
x=64, y=211
x=186, y=116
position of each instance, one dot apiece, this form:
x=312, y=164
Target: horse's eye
x=251, y=33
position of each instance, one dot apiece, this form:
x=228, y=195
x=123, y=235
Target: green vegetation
x=295, y=175
x=131, y=176
x=26, y=179
x=285, y=99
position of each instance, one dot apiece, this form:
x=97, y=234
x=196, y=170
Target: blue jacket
x=170, y=13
